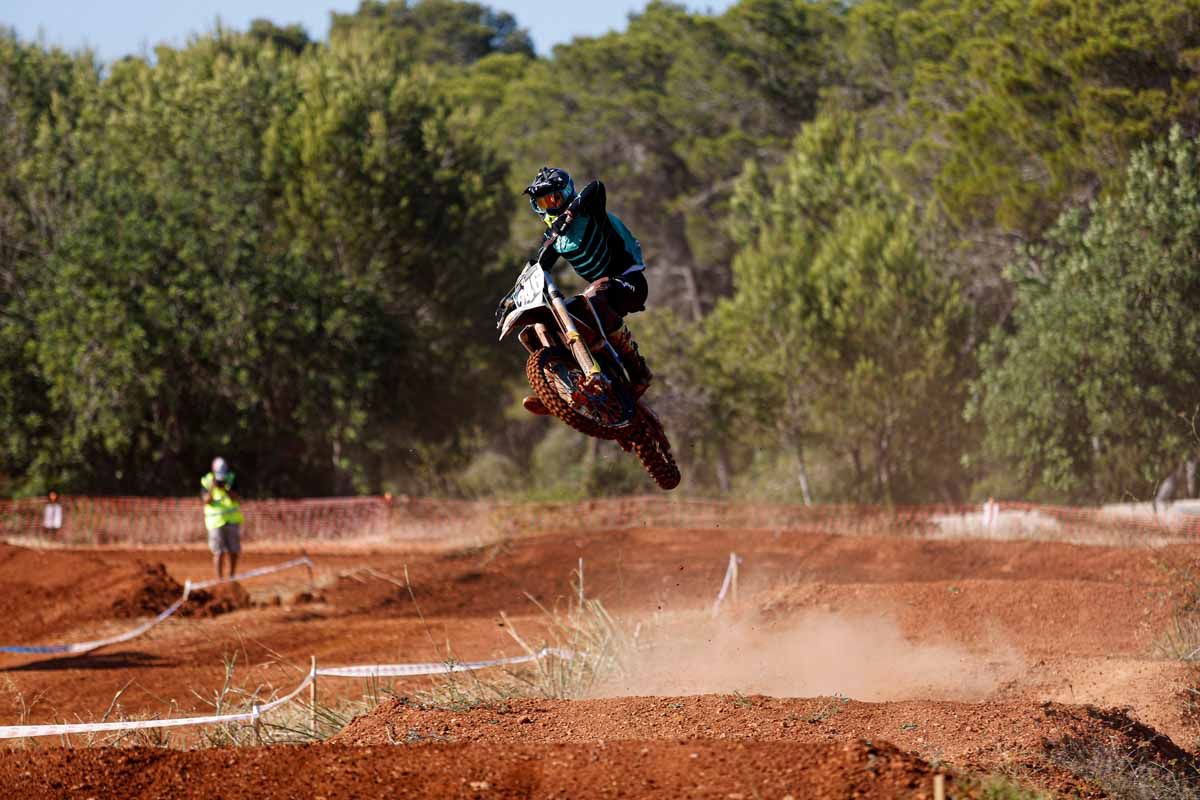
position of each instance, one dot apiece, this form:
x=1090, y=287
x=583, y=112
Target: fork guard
x=535, y=337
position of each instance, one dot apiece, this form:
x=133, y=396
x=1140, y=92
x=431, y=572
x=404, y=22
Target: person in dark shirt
x=603, y=252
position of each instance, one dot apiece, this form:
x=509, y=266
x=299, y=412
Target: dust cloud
x=816, y=653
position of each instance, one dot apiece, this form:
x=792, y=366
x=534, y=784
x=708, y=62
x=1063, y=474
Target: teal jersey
x=596, y=244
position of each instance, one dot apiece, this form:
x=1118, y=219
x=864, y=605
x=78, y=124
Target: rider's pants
x=614, y=297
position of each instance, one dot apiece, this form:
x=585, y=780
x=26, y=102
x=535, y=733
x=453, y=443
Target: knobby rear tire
x=652, y=448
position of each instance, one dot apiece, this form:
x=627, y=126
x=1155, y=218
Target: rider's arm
x=592, y=200
x=547, y=257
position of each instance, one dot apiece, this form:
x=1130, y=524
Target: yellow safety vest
x=222, y=510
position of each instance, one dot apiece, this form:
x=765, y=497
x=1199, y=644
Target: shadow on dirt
x=123, y=660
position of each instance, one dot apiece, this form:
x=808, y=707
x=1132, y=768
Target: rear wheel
x=652, y=448
x=594, y=406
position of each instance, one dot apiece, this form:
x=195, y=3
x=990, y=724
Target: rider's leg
x=613, y=298
x=621, y=296
x=639, y=374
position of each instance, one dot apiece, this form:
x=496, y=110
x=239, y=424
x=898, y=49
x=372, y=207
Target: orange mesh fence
x=142, y=520
x=993, y=519
x=145, y=520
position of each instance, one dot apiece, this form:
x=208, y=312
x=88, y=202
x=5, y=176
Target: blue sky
x=122, y=27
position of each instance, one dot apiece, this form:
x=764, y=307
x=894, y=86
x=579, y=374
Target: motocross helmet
x=551, y=191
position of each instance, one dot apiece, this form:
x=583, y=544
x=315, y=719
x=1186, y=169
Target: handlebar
x=557, y=227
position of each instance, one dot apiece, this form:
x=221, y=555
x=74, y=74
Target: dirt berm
x=1029, y=739
x=815, y=771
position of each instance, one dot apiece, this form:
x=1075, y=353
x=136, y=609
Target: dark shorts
x=615, y=297
x=225, y=539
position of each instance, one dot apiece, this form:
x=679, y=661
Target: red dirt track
x=853, y=666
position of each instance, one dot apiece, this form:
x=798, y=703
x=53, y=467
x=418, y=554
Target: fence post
x=312, y=697
x=733, y=565
x=312, y=586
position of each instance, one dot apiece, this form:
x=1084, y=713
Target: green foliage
x=490, y=474
x=292, y=38
x=840, y=334
x=690, y=387
x=1097, y=392
x=1013, y=105
x=392, y=191
x=271, y=256
x=41, y=92
x=566, y=466
x=665, y=113
x=428, y=32
x=287, y=250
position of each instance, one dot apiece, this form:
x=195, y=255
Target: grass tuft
x=1125, y=773
x=1181, y=639
x=1000, y=787
x=600, y=647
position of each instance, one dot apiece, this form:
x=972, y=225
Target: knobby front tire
x=556, y=379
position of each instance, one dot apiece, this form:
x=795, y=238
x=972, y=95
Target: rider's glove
x=562, y=221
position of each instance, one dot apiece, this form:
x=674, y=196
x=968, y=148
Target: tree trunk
x=802, y=476
x=693, y=292
x=339, y=478
x=1166, y=489
x=882, y=469
x=724, y=480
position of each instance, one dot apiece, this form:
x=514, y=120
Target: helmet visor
x=549, y=202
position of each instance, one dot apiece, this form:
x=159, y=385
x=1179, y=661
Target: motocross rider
x=603, y=252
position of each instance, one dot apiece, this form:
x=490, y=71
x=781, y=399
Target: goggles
x=550, y=202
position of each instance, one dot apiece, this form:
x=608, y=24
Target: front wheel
x=591, y=405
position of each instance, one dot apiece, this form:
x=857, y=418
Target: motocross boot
x=639, y=374
x=534, y=405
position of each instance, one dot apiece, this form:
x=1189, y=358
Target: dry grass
x=1001, y=787
x=297, y=722
x=591, y=646
x=1181, y=639
x=1124, y=773
x=587, y=647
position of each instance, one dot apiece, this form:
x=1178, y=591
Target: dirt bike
x=577, y=373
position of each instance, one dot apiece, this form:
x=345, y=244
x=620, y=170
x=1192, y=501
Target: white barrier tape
x=87, y=647
x=730, y=577
x=435, y=668
x=256, y=711
x=23, y=731
x=255, y=573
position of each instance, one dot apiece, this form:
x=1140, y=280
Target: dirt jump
x=872, y=665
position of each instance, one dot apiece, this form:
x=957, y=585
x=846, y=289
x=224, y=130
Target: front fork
x=574, y=340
